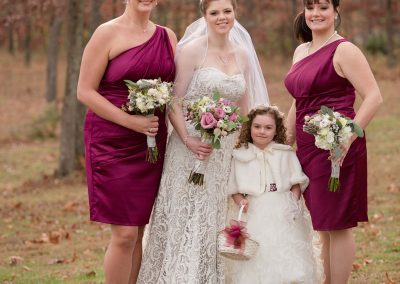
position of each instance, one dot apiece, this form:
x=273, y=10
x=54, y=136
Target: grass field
x=45, y=235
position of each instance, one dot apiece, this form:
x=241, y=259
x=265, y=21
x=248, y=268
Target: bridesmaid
x=122, y=186
x=328, y=70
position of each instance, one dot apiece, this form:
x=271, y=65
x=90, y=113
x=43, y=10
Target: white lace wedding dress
x=182, y=236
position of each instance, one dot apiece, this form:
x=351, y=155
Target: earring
x=336, y=17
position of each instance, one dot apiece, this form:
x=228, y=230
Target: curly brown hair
x=245, y=132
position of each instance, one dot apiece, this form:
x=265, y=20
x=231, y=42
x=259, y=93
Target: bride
x=216, y=52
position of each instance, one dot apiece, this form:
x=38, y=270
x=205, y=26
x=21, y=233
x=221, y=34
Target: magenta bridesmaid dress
x=313, y=82
x=122, y=186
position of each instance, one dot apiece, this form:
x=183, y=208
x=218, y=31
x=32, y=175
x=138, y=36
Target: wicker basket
x=229, y=251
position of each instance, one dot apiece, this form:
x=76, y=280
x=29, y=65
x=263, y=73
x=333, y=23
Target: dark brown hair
x=204, y=4
x=245, y=133
x=301, y=30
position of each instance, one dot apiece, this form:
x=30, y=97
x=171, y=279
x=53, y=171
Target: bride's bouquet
x=145, y=97
x=214, y=118
x=331, y=129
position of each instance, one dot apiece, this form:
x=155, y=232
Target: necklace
x=309, y=44
x=143, y=29
x=225, y=59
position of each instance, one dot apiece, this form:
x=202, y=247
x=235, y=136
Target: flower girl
x=267, y=178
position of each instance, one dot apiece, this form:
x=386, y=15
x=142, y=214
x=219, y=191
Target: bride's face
x=220, y=16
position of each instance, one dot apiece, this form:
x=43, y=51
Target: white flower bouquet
x=331, y=129
x=214, y=118
x=145, y=97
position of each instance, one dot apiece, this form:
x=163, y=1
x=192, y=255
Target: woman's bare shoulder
x=300, y=52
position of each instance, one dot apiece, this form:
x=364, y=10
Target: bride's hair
x=245, y=133
x=205, y=3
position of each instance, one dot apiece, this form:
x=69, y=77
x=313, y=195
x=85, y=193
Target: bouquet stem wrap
x=152, y=150
x=334, y=183
x=197, y=174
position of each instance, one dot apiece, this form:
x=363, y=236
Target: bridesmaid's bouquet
x=145, y=96
x=214, y=118
x=331, y=129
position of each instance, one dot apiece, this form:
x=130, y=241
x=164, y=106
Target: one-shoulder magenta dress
x=122, y=185
x=313, y=82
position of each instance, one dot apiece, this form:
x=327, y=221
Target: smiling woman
x=216, y=53
x=121, y=185
x=330, y=71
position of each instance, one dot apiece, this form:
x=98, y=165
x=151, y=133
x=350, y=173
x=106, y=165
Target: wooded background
x=45, y=234
x=60, y=28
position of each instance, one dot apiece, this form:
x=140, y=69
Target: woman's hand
x=148, y=125
x=200, y=149
x=344, y=149
x=240, y=200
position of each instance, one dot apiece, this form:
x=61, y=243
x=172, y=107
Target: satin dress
x=122, y=185
x=313, y=82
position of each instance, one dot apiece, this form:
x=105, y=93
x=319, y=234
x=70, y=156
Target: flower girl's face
x=220, y=16
x=263, y=130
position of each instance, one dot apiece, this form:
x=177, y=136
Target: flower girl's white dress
x=276, y=219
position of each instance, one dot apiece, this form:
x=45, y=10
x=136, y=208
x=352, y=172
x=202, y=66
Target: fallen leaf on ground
x=57, y=261
x=368, y=261
x=14, y=260
x=356, y=266
x=71, y=206
x=388, y=279
x=393, y=188
x=91, y=274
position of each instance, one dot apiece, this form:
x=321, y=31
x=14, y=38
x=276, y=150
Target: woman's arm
x=172, y=38
x=94, y=62
x=291, y=124
x=350, y=63
x=185, y=66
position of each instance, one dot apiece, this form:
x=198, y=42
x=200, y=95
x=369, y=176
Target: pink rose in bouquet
x=208, y=121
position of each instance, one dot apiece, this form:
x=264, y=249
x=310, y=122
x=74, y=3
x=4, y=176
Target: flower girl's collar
x=268, y=148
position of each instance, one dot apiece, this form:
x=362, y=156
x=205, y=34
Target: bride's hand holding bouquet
x=214, y=118
x=145, y=97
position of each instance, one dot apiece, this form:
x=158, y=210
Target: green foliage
x=376, y=44
x=45, y=125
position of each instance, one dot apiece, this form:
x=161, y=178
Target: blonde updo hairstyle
x=204, y=4
x=245, y=133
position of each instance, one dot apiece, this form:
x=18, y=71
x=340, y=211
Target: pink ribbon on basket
x=236, y=234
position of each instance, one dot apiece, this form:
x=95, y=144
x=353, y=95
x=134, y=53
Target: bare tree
x=55, y=23
x=28, y=38
x=95, y=14
x=71, y=146
x=390, y=33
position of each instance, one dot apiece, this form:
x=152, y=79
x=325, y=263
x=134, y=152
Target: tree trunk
x=28, y=39
x=114, y=8
x=390, y=33
x=95, y=15
x=71, y=133
x=11, y=47
x=52, y=57
x=293, y=16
